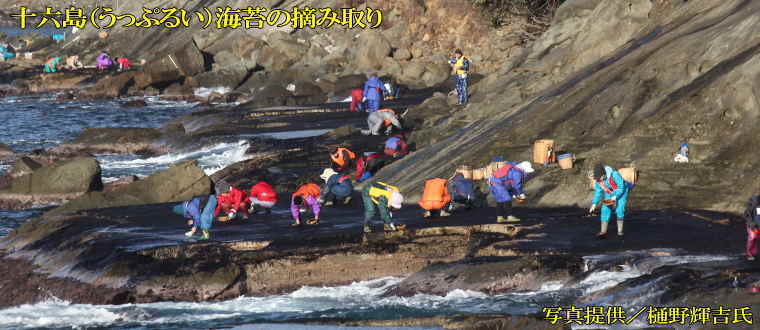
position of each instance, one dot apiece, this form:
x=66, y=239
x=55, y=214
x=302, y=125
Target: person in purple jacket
x=373, y=93
x=306, y=195
x=507, y=184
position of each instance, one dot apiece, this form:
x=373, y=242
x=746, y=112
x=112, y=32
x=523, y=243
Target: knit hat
x=598, y=172
x=327, y=173
x=222, y=187
x=396, y=200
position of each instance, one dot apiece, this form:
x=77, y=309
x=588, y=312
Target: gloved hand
x=189, y=234
x=364, y=99
x=592, y=208
x=321, y=201
x=522, y=196
x=232, y=215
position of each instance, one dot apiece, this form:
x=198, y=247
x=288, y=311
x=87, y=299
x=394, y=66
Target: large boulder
x=436, y=73
x=77, y=175
x=223, y=76
x=24, y=166
x=113, y=86
x=113, y=140
x=5, y=150
x=185, y=61
x=412, y=74
x=349, y=82
x=178, y=183
x=373, y=51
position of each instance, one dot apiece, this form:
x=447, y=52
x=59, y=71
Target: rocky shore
x=619, y=82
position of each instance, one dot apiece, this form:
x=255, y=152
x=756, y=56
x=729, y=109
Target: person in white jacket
x=382, y=118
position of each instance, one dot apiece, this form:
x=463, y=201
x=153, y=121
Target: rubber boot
x=427, y=214
x=205, y=236
x=603, y=232
x=347, y=200
x=620, y=228
x=444, y=213
x=190, y=233
x=501, y=219
x=367, y=229
x=513, y=218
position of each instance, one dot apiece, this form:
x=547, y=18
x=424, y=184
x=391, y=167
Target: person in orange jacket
x=342, y=159
x=231, y=200
x=306, y=195
x=435, y=197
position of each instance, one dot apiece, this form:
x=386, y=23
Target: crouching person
x=198, y=217
x=435, y=197
x=463, y=195
x=306, y=196
x=262, y=197
x=231, y=200
x=337, y=188
x=380, y=196
x=752, y=215
x=507, y=184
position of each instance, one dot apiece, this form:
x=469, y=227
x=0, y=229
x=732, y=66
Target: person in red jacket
x=357, y=95
x=231, y=200
x=262, y=197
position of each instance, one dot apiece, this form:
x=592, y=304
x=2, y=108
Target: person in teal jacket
x=610, y=185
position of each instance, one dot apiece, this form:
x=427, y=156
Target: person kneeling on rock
x=198, y=218
x=435, y=197
x=381, y=195
x=306, y=195
x=608, y=183
x=262, y=196
x=230, y=200
x=396, y=147
x=337, y=188
x=368, y=165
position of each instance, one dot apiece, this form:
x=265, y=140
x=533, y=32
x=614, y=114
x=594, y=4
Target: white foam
x=210, y=159
x=204, y=92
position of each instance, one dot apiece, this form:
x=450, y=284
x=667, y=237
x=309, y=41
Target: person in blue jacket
x=373, y=93
x=198, y=218
x=462, y=192
x=507, y=184
x=610, y=185
x=337, y=188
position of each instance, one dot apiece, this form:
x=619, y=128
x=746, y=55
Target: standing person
x=380, y=196
x=306, y=195
x=461, y=66
x=396, y=147
x=357, y=96
x=198, y=218
x=507, y=184
x=382, y=118
x=230, y=199
x=752, y=215
x=337, y=188
x=683, y=153
x=373, y=93
x=608, y=183
x=342, y=159
x=435, y=197
x=262, y=196
x=390, y=88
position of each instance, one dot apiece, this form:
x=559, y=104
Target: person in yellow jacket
x=380, y=196
x=435, y=197
x=461, y=66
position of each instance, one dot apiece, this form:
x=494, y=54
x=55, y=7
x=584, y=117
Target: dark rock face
x=187, y=61
x=492, y=276
x=178, y=183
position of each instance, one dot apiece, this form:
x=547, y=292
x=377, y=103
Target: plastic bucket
x=565, y=161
